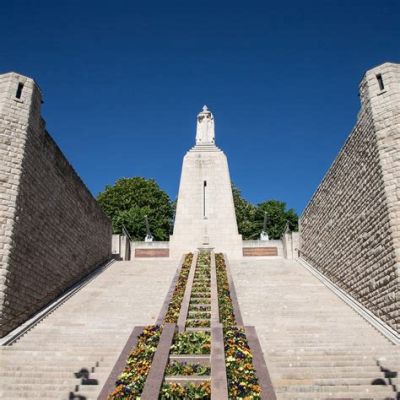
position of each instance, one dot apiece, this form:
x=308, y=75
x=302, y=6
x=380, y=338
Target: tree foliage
x=130, y=199
x=250, y=218
x=245, y=214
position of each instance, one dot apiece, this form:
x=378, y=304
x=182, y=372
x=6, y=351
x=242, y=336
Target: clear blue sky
x=123, y=82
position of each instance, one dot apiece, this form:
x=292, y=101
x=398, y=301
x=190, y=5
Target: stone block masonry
x=52, y=231
x=350, y=230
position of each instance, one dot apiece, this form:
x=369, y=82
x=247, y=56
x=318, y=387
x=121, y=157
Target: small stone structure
x=52, y=231
x=350, y=230
x=205, y=213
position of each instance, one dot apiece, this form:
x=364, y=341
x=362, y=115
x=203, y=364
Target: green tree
x=277, y=218
x=130, y=199
x=245, y=213
x=250, y=218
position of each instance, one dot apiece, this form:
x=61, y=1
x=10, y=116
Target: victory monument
x=205, y=213
x=205, y=315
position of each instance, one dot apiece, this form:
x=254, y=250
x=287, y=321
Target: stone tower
x=205, y=213
x=52, y=231
x=350, y=230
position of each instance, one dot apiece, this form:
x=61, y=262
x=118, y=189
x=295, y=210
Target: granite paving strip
x=155, y=377
x=264, y=380
x=219, y=384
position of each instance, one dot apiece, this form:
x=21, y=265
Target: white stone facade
x=350, y=229
x=205, y=214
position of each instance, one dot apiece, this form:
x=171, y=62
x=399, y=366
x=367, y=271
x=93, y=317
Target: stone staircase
x=316, y=346
x=70, y=353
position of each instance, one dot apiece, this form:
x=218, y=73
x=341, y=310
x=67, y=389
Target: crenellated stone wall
x=350, y=230
x=52, y=232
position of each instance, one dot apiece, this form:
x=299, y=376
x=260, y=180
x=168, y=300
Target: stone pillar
x=290, y=245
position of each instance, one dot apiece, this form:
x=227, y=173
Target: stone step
x=50, y=369
x=48, y=355
x=334, y=381
x=324, y=363
x=200, y=305
x=322, y=357
x=50, y=379
x=45, y=387
x=182, y=379
x=336, y=396
x=200, y=329
x=76, y=363
x=29, y=349
x=315, y=370
x=340, y=347
x=59, y=349
x=338, y=350
x=202, y=359
x=35, y=373
x=327, y=373
x=349, y=389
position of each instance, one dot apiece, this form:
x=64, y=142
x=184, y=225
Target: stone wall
x=52, y=232
x=350, y=230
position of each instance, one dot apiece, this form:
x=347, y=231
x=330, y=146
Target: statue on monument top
x=205, y=132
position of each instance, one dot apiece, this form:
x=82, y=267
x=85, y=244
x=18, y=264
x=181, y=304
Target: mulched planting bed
x=191, y=343
x=175, y=391
x=242, y=378
x=197, y=308
x=131, y=382
x=177, y=297
x=197, y=323
x=182, y=368
x=203, y=300
x=199, y=314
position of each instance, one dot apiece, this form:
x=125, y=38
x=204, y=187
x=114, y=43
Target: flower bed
x=174, y=391
x=191, y=343
x=198, y=323
x=177, y=297
x=225, y=305
x=182, y=368
x=200, y=314
x=203, y=300
x=206, y=308
x=131, y=382
x=242, y=379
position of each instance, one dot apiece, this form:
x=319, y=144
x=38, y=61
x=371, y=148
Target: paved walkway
x=88, y=331
x=316, y=347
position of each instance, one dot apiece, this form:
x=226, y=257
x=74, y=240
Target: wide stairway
x=315, y=346
x=69, y=354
